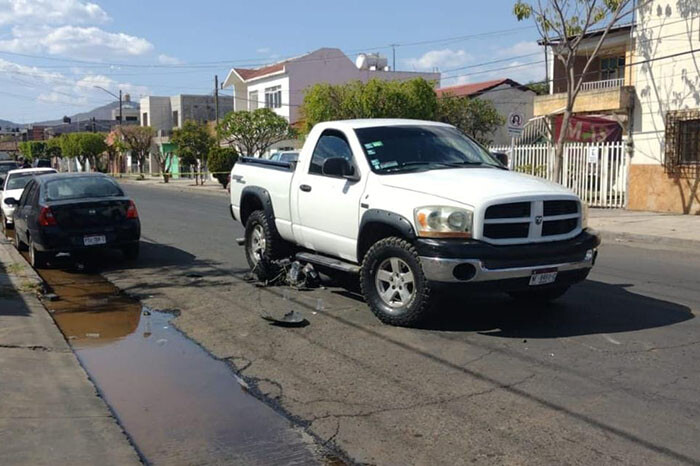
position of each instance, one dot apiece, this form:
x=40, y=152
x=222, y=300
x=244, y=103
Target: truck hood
x=472, y=185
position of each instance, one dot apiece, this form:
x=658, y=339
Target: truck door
x=328, y=206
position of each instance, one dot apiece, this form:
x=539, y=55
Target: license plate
x=543, y=277
x=94, y=239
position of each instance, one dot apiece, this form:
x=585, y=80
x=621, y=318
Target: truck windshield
x=392, y=149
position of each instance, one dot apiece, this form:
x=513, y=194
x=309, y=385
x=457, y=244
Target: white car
x=15, y=181
x=412, y=206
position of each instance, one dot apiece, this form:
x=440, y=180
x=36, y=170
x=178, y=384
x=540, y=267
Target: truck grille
x=531, y=220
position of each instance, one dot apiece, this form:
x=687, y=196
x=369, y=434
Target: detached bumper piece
x=477, y=262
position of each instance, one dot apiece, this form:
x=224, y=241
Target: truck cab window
x=331, y=144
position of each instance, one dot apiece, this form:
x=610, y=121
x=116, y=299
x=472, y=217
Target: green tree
x=538, y=87
x=115, y=150
x=92, y=146
x=563, y=24
x=138, y=140
x=53, y=147
x=32, y=150
x=193, y=143
x=475, y=117
x=221, y=160
x=252, y=133
x=377, y=98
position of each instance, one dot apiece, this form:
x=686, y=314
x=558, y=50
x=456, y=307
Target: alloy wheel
x=257, y=243
x=395, y=282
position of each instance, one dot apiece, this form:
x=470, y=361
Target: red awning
x=589, y=129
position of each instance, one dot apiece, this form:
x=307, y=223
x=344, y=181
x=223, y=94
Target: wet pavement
x=177, y=403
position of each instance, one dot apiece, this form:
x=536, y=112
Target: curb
x=655, y=240
x=28, y=273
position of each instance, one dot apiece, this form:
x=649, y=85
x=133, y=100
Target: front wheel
x=541, y=296
x=393, y=283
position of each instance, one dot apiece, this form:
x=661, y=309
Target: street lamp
x=118, y=97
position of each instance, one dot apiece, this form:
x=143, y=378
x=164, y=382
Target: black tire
x=131, y=252
x=539, y=296
x=4, y=224
x=18, y=242
x=403, y=312
x=261, y=256
x=37, y=259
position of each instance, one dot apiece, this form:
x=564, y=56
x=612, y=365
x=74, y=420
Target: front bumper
x=474, y=261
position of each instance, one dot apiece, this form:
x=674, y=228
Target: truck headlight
x=444, y=222
x=584, y=215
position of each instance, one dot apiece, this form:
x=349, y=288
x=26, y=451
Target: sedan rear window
x=81, y=187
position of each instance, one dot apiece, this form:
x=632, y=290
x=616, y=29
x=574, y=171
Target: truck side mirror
x=501, y=157
x=340, y=167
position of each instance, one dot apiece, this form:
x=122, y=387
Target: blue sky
x=52, y=52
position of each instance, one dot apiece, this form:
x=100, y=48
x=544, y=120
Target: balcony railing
x=606, y=84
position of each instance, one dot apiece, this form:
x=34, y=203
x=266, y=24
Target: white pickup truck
x=409, y=206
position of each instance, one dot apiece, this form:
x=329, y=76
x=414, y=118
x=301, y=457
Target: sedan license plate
x=543, y=277
x=94, y=240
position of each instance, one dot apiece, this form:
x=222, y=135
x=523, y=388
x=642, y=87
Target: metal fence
x=597, y=173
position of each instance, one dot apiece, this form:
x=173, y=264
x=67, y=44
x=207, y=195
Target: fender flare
x=384, y=217
x=262, y=195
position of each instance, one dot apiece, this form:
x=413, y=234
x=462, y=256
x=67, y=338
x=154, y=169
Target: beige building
x=647, y=79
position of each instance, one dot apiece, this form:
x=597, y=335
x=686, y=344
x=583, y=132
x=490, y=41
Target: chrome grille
x=534, y=220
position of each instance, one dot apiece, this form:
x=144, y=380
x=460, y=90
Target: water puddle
x=178, y=404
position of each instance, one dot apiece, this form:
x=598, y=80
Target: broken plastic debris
x=194, y=275
x=146, y=312
x=51, y=296
x=162, y=341
x=290, y=319
x=92, y=335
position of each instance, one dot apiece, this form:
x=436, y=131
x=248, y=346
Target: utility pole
x=121, y=116
x=393, y=57
x=216, y=98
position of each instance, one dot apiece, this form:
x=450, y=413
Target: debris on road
x=290, y=319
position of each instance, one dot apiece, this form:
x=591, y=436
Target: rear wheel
x=541, y=296
x=37, y=259
x=393, y=283
x=18, y=242
x=263, y=245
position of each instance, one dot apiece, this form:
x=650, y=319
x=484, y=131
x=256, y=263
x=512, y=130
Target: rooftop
x=474, y=89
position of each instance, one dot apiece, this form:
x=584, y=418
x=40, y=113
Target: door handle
x=305, y=187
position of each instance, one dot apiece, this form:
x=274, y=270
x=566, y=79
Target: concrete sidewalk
x=50, y=413
x=210, y=187
x=647, y=227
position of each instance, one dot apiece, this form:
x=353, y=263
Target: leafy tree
x=252, y=133
x=193, y=143
x=377, y=98
x=70, y=146
x=92, y=146
x=563, y=24
x=538, y=87
x=115, y=150
x=32, y=150
x=475, y=117
x=53, y=147
x=221, y=160
x=138, y=140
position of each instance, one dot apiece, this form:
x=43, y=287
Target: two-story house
x=643, y=88
x=280, y=86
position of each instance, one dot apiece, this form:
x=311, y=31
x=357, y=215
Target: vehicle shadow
x=588, y=308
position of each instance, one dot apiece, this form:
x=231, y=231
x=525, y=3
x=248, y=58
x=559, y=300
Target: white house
x=280, y=86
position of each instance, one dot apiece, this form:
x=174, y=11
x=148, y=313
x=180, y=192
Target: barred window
x=689, y=141
x=682, y=139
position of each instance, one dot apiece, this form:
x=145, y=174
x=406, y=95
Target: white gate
x=597, y=173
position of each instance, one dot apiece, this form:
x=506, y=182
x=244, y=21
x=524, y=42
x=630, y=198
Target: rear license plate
x=94, y=240
x=543, y=277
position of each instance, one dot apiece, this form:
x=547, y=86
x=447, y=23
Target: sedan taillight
x=46, y=218
x=131, y=211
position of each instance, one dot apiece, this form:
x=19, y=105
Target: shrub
x=221, y=160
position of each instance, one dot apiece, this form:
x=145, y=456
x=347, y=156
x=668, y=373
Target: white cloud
x=440, y=59
x=53, y=12
x=168, y=60
x=30, y=74
x=521, y=48
x=75, y=41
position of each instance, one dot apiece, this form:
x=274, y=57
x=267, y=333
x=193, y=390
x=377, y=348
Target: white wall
x=665, y=27
x=507, y=99
x=264, y=83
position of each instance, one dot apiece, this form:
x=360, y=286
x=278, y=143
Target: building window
x=144, y=119
x=612, y=68
x=253, y=100
x=682, y=138
x=273, y=97
x=176, y=122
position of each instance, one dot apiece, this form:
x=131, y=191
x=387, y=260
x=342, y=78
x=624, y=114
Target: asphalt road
x=609, y=374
